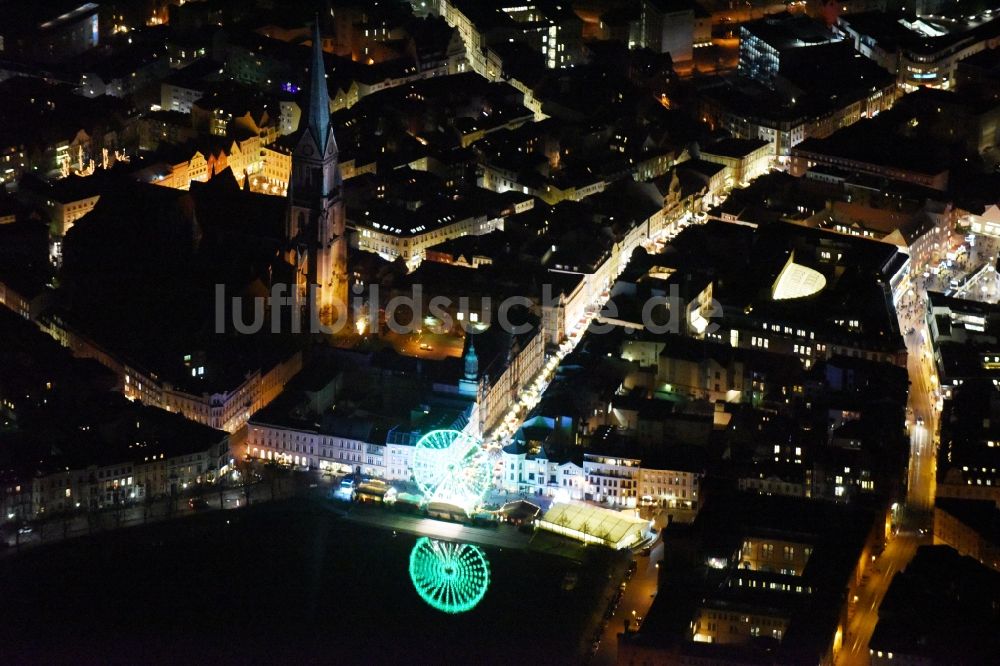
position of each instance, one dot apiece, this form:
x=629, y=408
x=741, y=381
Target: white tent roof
x=610, y=526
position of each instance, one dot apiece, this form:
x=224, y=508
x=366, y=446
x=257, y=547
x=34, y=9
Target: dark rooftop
x=734, y=147
x=943, y=607
x=785, y=31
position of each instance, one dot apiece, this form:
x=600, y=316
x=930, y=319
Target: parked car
x=198, y=503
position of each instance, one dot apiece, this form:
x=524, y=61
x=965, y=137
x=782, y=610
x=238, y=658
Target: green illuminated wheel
x=452, y=467
x=450, y=577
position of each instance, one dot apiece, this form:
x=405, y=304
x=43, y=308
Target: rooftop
x=613, y=528
x=734, y=147
x=923, y=35
x=875, y=141
x=835, y=535
x=786, y=31
x=943, y=607
x=982, y=516
x=793, y=275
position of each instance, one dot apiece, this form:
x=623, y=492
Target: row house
x=226, y=410
x=313, y=448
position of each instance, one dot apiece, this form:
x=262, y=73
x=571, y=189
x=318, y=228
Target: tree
x=272, y=473
x=172, y=500
x=246, y=468
x=147, y=505
x=119, y=507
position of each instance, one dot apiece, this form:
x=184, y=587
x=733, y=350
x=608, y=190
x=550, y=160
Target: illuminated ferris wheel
x=452, y=467
x=451, y=577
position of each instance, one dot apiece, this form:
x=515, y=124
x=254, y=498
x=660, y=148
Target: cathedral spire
x=315, y=226
x=319, y=95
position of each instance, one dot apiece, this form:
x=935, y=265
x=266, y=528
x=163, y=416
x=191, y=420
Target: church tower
x=315, y=225
x=469, y=383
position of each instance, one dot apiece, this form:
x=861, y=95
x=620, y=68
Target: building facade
x=311, y=449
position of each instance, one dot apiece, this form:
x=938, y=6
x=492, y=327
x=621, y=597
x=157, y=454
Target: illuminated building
x=962, y=334
x=224, y=406
x=767, y=42
x=968, y=460
x=972, y=527
x=769, y=303
x=986, y=222
x=180, y=90
x=315, y=228
x=23, y=292
x=393, y=231
x=868, y=148
x=200, y=160
x=53, y=31
x=65, y=200
x=276, y=168
x=515, y=364
x=776, y=568
x=113, y=453
x=335, y=445
x=612, y=480
x=920, y=50
x=398, y=457
x=540, y=472
x=744, y=159
x=631, y=482
x=513, y=171
x=667, y=26
x=677, y=491
x=51, y=131
x=165, y=458
x=553, y=30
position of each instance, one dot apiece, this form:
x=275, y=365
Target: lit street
x=864, y=611
x=635, y=602
x=426, y=344
x=923, y=421
x=922, y=424
x=922, y=411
